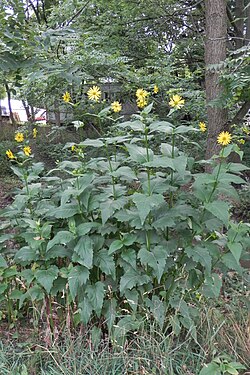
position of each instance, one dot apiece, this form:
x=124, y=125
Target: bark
x=27, y=109
x=12, y=119
x=215, y=53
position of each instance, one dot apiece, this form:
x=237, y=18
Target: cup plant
x=131, y=236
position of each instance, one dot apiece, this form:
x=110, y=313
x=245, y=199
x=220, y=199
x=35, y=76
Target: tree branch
x=240, y=114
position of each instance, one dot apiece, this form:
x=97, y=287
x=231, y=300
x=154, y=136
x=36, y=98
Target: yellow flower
x=10, y=154
x=156, y=89
x=73, y=148
x=224, y=138
x=141, y=103
x=116, y=106
x=19, y=137
x=27, y=150
x=141, y=94
x=66, y=97
x=94, y=93
x=34, y=133
x=202, y=126
x=176, y=101
x=241, y=141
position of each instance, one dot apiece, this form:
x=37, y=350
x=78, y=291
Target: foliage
x=123, y=239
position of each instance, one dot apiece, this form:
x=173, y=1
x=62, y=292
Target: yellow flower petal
x=224, y=138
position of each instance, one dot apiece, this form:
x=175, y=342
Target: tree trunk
x=12, y=119
x=215, y=53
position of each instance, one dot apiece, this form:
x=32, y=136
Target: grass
x=220, y=331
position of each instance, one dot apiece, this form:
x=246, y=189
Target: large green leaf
x=77, y=276
x=86, y=310
x=161, y=127
x=84, y=248
x=236, y=250
x=66, y=211
x=3, y=263
x=219, y=209
x=146, y=203
x=46, y=277
x=201, y=255
x=115, y=245
x=105, y=262
x=62, y=237
x=96, y=293
x=26, y=254
x=139, y=154
x=158, y=309
x=156, y=259
x=133, y=278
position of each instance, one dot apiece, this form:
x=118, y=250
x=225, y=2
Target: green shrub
x=127, y=238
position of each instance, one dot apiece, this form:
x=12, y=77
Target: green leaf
x=212, y=286
x=76, y=278
x=84, y=248
x=26, y=254
x=85, y=228
x=139, y=154
x=3, y=287
x=106, y=263
x=62, y=237
x=220, y=210
x=136, y=125
x=132, y=298
x=236, y=250
x=129, y=255
x=184, y=129
x=230, y=261
x=96, y=295
x=146, y=203
x=3, y=263
x=65, y=211
x=115, y=245
x=156, y=259
x=86, y=310
x=92, y=142
x=201, y=255
x=46, y=277
x=158, y=310
x=161, y=162
x=211, y=369
x=132, y=278
x=110, y=312
x=161, y=127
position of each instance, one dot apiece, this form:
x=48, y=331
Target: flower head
x=66, y=97
x=202, y=126
x=224, y=138
x=156, y=89
x=116, y=106
x=27, y=150
x=10, y=154
x=141, y=94
x=176, y=101
x=34, y=132
x=94, y=93
x=19, y=137
x=141, y=103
